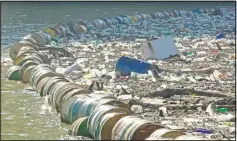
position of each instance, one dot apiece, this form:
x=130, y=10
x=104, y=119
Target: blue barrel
x=126, y=65
x=108, y=21
x=119, y=19
x=198, y=11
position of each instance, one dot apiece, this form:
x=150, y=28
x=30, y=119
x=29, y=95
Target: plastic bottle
x=221, y=110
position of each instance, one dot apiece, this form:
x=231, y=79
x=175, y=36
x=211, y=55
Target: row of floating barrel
x=99, y=116
x=72, y=29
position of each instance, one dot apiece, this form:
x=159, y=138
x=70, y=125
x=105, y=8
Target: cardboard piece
x=161, y=48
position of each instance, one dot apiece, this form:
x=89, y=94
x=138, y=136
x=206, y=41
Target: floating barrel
x=167, y=15
x=35, y=57
x=198, y=11
x=55, y=88
x=103, y=23
x=41, y=83
x=22, y=54
x=149, y=17
x=29, y=39
x=83, y=106
x=115, y=21
x=175, y=13
x=89, y=25
x=73, y=27
x=82, y=29
x=16, y=47
x=153, y=16
x=61, y=91
x=96, y=24
x=171, y=14
x=26, y=75
x=35, y=72
x=96, y=115
x=202, y=10
x=134, y=19
x=107, y=21
x=126, y=65
x=129, y=18
x=69, y=107
x=119, y=19
x=104, y=130
x=13, y=73
x=166, y=133
x=79, y=127
x=133, y=128
x=123, y=122
x=74, y=92
x=25, y=66
x=52, y=31
x=91, y=104
x=48, y=85
x=139, y=17
x=39, y=37
x=109, y=101
x=62, y=31
x=43, y=74
x=60, y=96
x=47, y=37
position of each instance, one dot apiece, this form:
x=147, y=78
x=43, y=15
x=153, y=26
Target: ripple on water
x=23, y=135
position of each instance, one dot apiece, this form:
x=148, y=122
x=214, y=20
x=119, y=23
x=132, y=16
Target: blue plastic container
x=126, y=65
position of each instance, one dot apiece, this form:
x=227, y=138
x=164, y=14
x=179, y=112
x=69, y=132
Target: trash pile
x=164, y=75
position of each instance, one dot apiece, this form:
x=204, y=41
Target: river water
x=23, y=113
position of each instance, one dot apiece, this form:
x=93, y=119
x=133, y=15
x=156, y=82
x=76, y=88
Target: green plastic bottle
x=221, y=110
x=190, y=54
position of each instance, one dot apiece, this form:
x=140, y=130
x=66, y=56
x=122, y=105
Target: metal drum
x=75, y=92
x=79, y=127
x=110, y=101
x=57, y=95
x=26, y=51
x=153, y=16
x=70, y=107
x=41, y=83
x=26, y=75
x=96, y=115
x=16, y=47
x=52, y=31
x=73, y=27
x=36, y=58
x=55, y=88
x=133, y=128
x=25, y=66
x=49, y=84
x=42, y=75
x=87, y=107
x=13, y=73
x=82, y=29
x=36, y=72
x=30, y=39
x=104, y=130
x=39, y=38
